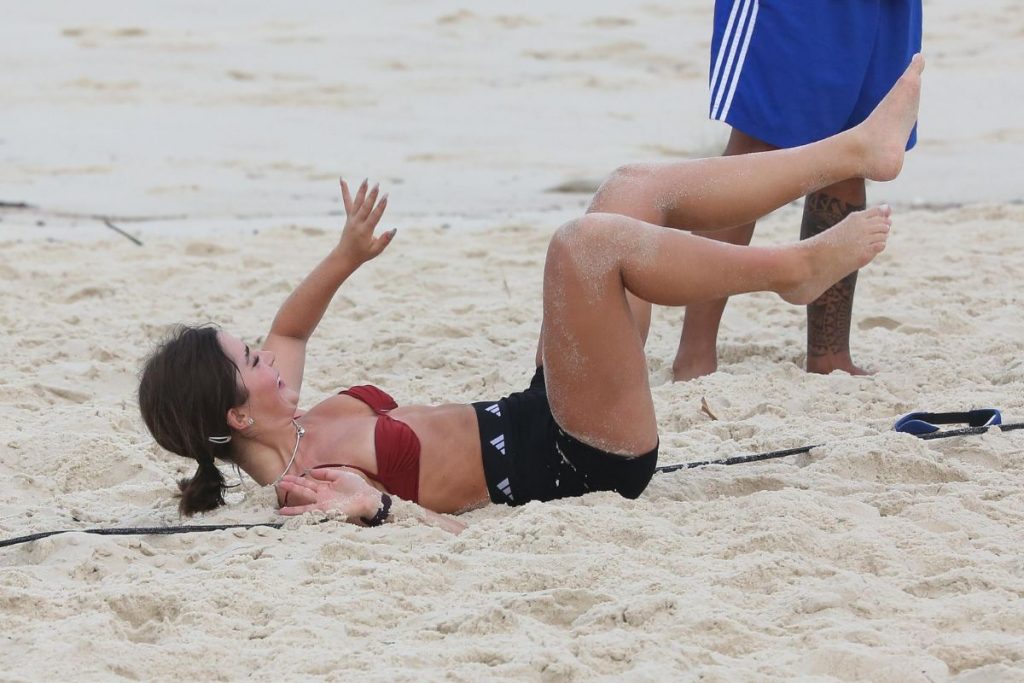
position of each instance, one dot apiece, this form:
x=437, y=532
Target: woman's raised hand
x=364, y=212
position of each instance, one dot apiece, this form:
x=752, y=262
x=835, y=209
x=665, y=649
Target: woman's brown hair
x=186, y=389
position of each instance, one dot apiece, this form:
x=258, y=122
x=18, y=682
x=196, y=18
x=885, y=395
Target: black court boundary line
x=140, y=531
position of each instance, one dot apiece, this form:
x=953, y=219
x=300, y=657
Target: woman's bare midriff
x=341, y=430
x=451, y=466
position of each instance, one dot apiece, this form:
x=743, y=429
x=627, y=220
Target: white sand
x=877, y=557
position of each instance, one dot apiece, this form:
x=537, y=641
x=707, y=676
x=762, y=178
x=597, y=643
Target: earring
x=251, y=422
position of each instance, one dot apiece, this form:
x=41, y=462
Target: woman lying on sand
x=586, y=422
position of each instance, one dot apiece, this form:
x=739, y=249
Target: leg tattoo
x=828, y=318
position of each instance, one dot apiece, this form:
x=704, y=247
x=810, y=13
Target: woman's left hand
x=332, y=489
x=363, y=213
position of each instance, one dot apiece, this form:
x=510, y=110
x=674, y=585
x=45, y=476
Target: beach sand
x=216, y=144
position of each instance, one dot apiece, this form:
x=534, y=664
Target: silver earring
x=251, y=422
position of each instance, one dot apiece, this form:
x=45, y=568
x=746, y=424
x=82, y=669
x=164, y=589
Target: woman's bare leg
x=593, y=352
x=726, y=192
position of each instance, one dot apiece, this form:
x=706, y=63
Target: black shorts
x=527, y=456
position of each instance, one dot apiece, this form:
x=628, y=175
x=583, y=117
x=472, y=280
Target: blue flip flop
x=927, y=423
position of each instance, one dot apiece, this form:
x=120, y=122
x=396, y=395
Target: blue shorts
x=790, y=72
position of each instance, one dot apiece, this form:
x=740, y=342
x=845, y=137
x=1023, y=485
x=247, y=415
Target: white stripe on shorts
x=723, y=45
x=734, y=35
x=742, y=59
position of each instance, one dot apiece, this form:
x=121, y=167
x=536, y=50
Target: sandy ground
x=215, y=140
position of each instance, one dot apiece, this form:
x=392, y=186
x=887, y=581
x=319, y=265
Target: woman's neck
x=265, y=455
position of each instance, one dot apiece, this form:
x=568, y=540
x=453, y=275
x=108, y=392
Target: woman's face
x=269, y=396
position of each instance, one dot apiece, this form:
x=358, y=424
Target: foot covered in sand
x=830, y=256
x=885, y=132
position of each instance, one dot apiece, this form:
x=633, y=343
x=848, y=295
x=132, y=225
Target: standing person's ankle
x=824, y=364
x=691, y=365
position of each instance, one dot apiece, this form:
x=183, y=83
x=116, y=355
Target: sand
x=215, y=142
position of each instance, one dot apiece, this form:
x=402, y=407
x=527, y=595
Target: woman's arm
x=302, y=311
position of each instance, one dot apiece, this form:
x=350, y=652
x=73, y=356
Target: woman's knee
x=585, y=246
x=630, y=172
x=620, y=190
x=584, y=237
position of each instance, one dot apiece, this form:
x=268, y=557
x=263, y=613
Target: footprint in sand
x=205, y=249
x=95, y=32
x=90, y=293
x=576, y=186
x=64, y=393
x=877, y=321
x=557, y=607
x=610, y=22
x=608, y=51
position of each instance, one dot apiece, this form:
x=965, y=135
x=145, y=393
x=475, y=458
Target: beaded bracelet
x=382, y=513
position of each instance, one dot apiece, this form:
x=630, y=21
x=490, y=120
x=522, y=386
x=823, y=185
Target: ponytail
x=204, y=491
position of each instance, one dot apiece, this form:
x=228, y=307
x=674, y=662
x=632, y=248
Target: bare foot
x=689, y=366
x=849, y=245
x=827, y=363
x=886, y=131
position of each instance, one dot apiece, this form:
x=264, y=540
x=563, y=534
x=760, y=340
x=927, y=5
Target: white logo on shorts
x=499, y=443
x=506, y=488
x=493, y=410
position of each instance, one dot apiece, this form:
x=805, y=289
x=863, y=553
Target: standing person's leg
x=829, y=316
x=697, y=354
x=897, y=39
x=785, y=74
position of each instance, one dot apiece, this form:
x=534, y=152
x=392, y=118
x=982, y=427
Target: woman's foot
x=849, y=245
x=885, y=132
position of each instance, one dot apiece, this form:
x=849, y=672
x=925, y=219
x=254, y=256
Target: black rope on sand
x=140, y=530
x=735, y=460
x=770, y=455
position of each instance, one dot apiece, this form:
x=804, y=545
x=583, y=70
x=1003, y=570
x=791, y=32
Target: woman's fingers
x=374, y=217
x=291, y=482
x=381, y=243
x=299, y=509
x=326, y=474
x=346, y=197
x=360, y=196
x=369, y=204
x=365, y=211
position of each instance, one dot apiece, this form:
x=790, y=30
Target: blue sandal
x=927, y=423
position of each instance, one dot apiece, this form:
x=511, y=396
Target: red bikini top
x=397, y=446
